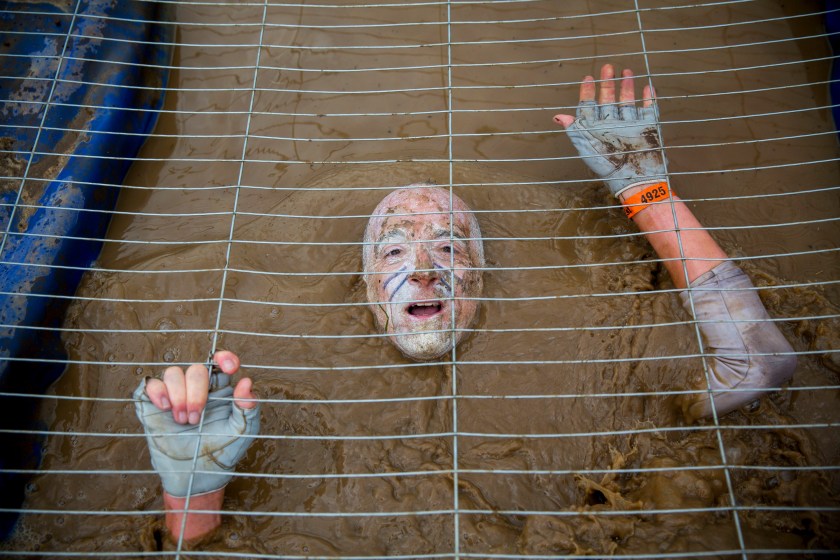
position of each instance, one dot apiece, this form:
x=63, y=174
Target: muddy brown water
x=597, y=275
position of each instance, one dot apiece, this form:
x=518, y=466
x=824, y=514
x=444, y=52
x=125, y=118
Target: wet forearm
x=700, y=250
x=197, y=524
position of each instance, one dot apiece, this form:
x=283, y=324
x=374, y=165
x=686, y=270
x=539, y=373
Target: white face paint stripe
x=394, y=275
x=442, y=277
x=400, y=285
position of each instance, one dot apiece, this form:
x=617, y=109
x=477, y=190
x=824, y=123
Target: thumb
x=564, y=120
x=243, y=391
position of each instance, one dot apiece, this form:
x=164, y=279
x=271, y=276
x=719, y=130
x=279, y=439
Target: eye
x=393, y=252
x=446, y=248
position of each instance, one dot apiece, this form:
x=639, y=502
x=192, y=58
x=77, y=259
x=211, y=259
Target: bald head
x=412, y=240
x=420, y=199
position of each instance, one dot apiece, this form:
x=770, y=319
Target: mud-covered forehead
x=422, y=204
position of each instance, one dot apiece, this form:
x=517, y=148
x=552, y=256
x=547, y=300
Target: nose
x=425, y=273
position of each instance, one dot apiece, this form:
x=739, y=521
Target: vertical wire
x=224, y=272
x=456, y=521
x=718, y=434
x=40, y=127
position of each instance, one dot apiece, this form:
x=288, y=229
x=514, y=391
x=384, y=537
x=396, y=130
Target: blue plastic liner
x=832, y=27
x=81, y=85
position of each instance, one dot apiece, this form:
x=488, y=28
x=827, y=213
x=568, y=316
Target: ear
x=366, y=277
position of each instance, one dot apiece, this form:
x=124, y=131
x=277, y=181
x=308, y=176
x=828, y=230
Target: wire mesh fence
x=555, y=428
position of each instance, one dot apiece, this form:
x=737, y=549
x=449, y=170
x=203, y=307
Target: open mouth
x=425, y=309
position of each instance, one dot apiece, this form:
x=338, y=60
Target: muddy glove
x=620, y=143
x=226, y=433
x=748, y=353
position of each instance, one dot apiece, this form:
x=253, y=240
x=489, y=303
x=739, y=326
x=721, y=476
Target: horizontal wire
x=667, y=555
x=435, y=512
x=429, y=45
x=443, y=363
x=391, y=47
x=439, y=398
x=505, y=239
x=215, y=554
x=437, y=472
x=448, y=555
x=436, y=136
x=379, y=5
x=418, y=556
x=551, y=183
x=273, y=25
x=519, y=238
x=449, y=434
x=414, y=113
x=417, y=89
x=350, y=163
x=118, y=212
x=430, y=331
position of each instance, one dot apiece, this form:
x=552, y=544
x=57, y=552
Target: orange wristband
x=644, y=198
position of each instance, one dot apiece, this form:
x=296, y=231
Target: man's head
x=411, y=243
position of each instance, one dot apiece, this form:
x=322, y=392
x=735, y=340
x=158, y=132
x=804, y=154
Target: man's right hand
x=170, y=411
x=618, y=141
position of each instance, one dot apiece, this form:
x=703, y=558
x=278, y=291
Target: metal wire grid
x=261, y=48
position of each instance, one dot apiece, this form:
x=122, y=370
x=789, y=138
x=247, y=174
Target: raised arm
x=620, y=143
x=227, y=431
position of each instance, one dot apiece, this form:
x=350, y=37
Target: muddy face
x=420, y=261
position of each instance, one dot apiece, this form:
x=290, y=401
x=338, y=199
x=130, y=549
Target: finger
x=587, y=89
x=564, y=120
x=198, y=384
x=649, y=95
x=173, y=377
x=243, y=391
x=649, y=110
x=586, y=108
x=607, y=95
x=627, y=96
x=227, y=360
x=156, y=391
